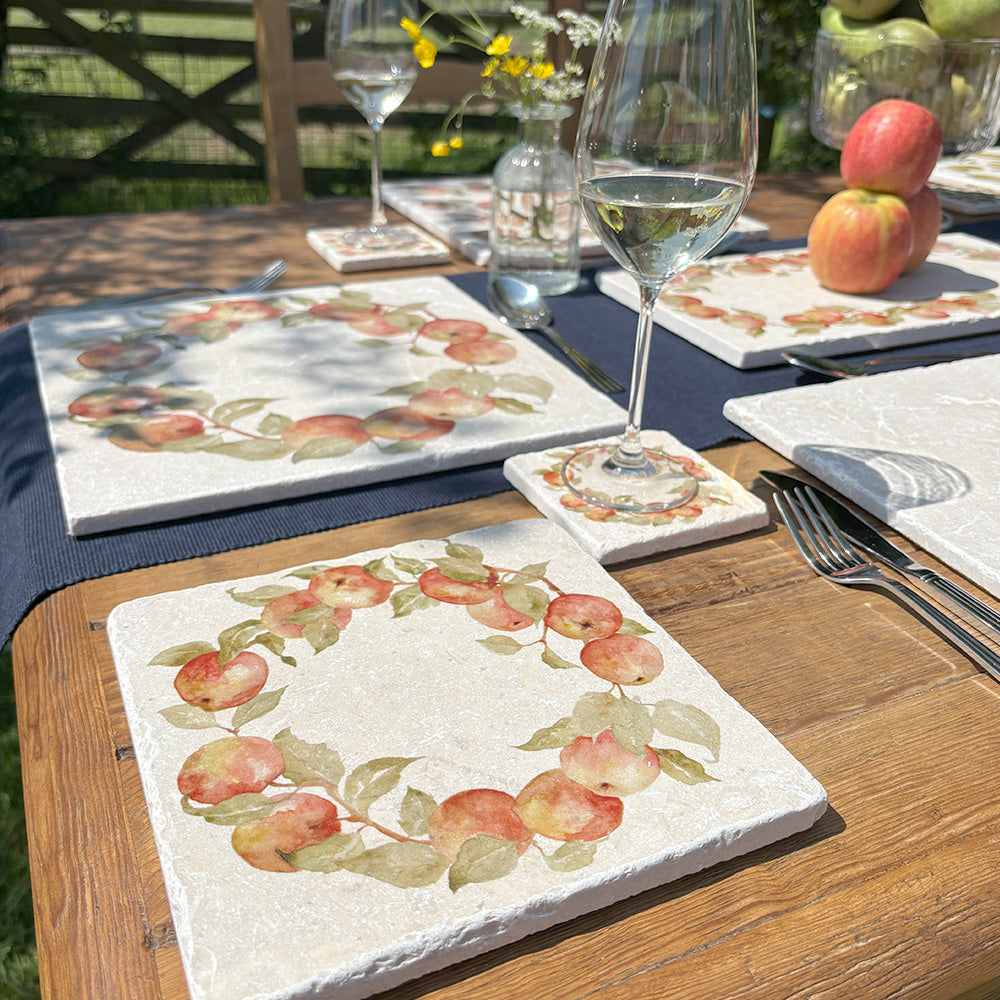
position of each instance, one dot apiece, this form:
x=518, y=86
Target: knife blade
x=876, y=544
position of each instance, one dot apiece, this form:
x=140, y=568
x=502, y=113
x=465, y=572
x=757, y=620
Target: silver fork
x=257, y=283
x=832, y=556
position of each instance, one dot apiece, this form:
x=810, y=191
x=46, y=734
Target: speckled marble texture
x=189, y=406
x=722, y=507
x=395, y=727
x=745, y=309
x=919, y=449
x=344, y=256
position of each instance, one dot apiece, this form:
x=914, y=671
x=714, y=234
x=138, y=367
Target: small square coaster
x=722, y=507
x=344, y=256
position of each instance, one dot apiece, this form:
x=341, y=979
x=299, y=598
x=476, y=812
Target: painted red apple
x=401, y=423
x=925, y=214
x=583, y=616
x=111, y=357
x=202, y=325
x=331, y=310
x=114, y=400
x=859, y=241
x=472, y=812
x=146, y=436
x=892, y=147
x=374, y=324
x=243, y=310
x=556, y=806
x=276, y=613
x=327, y=425
x=481, y=352
x=446, y=403
x=604, y=766
x=623, y=659
x=233, y=765
x=297, y=820
x=497, y=614
x=453, y=331
x=211, y=685
x=349, y=587
x=442, y=588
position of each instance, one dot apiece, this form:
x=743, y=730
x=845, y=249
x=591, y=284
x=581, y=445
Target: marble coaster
x=723, y=507
x=344, y=256
x=385, y=778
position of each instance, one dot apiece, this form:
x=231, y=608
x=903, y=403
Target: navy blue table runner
x=686, y=390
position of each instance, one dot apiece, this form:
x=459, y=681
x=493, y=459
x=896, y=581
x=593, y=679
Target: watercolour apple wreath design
x=296, y=806
x=679, y=294
x=139, y=416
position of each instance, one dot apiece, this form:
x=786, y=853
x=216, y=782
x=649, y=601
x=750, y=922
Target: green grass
x=18, y=960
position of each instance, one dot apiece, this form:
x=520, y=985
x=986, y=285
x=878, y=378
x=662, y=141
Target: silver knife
x=864, y=535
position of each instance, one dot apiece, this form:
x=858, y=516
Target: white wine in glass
x=372, y=61
x=665, y=159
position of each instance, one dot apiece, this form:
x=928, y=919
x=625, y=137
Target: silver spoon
x=520, y=304
x=834, y=368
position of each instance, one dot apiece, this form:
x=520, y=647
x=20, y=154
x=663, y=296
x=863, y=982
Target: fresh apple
x=892, y=148
x=864, y=10
x=963, y=19
x=904, y=56
x=859, y=241
x=925, y=215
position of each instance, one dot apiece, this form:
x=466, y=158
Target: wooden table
x=894, y=893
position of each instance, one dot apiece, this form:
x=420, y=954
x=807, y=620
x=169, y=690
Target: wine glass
x=665, y=159
x=372, y=61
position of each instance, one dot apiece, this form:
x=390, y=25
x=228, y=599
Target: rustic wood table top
x=895, y=892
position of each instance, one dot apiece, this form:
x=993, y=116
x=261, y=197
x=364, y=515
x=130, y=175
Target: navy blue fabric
x=686, y=390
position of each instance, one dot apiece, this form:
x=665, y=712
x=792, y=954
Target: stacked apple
x=888, y=219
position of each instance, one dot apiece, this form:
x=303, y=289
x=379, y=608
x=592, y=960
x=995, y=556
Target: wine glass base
x=381, y=239
x=657, y=482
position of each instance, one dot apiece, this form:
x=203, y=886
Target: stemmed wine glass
x=372, y=61
x=665, y=159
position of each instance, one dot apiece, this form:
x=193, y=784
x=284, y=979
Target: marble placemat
x=342, y=254
x=919, y=449
x=340, y=807
x=745, y=309
x=184, y=407
x=721, y=508
x=969, y=184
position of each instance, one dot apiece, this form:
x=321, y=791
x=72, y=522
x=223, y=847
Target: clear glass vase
x=535, y=217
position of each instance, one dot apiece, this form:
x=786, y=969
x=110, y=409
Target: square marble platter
x=969, y=184
x=745, y=309
x=722, y=506
x=186, y=407
x=919, y=449
x=392, y=722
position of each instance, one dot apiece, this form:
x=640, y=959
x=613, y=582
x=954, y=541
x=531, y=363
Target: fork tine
x=789, y=514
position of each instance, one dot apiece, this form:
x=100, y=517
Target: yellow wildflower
x=426, y=52
x=411, y=29
x=541, y=71
x=440, y=149
x=514, y=65
x=456, y=142
x=499, y=45
x=490, y=67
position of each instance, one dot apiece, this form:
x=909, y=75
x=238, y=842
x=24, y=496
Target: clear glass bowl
x=958, y=81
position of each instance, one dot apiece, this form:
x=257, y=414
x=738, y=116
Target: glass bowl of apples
x=957, y=80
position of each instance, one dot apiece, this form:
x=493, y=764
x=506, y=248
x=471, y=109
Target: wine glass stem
x=629, y=453
x=378, y=212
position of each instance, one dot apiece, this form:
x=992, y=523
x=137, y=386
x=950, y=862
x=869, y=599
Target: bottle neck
x=539, y=133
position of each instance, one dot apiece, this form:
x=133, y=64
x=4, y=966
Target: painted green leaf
x=307, y=572
x=482, y=859
x=84, y=375
x=507, y=404
x=631, y=627
x=297, y=319
x=189, y=717
x=376, y=343
x=260, y=705
x=677, y=765
x=592, y=711
x=308, y=616
x=179, y=397
x=237, y=637
x=404, y=865
x=463, y=570
x=474, y=384
x=412, y=566
x=411, y=389
x=557, y=662
x=378, y=569
x=560, y=734
x=197, y=442
x=324, y=447
x=530, y=601
x=536, y=570
x=685, y=722
x=415, y=811
x=463, y=551
x=308, y=763
x=275, y=643
x=251, y=449
x=327, y=855
x=504, y=645
x=571, y=856
x=526, y=385
x=373, y=779
x=631, y=725
x=260, y=596
x=321, y=635
x=177, y=656
x=406, y=600
x=237, y=811
x=400, y=447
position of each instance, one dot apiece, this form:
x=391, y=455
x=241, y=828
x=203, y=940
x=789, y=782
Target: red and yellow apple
x=583, y=616
x=604, y=766
x=622, y=659
x=925, y=214
x=473, y=812
x=349, y=587
x=859, y=241
x=233, y=765
x=297, y=820
x=556, y=806
x=211, y=685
